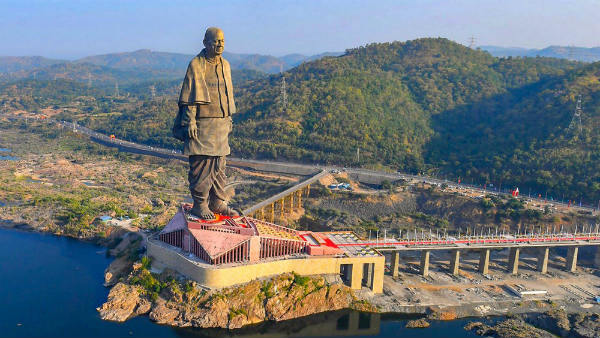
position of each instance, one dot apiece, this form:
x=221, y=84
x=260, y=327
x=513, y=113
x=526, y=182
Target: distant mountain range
x=146, y=65
x=140, y=65
x=10, y=64
x=562, y=52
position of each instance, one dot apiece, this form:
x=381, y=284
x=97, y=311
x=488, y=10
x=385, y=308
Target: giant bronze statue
x=204, y=122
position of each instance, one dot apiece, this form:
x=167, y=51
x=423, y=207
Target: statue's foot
x=222, y=208
x=202, y=211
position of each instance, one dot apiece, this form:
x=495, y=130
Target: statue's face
x=215, y=43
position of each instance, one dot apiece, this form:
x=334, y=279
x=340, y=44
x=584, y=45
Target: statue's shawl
x=194, y=89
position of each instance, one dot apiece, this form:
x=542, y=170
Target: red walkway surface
x=548, y=239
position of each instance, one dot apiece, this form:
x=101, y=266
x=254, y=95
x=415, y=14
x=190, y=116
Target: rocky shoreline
x=169, y=300
x=540, y=325
x=185, y=304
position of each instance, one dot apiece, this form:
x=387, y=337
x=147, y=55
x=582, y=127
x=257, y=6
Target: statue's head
x=214, y=41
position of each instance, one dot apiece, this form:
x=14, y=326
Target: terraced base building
x=230, y=251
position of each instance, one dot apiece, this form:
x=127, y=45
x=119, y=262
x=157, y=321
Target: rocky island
x=168, y=300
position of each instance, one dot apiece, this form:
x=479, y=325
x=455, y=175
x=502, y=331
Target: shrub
x=266, y=288
x=146, y=262
x=301, y=280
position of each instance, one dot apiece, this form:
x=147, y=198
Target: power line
x=571, y=53
x=283, y=91
x=472, y=42
x=576, y=120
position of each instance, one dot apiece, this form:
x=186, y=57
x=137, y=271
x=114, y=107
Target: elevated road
x=486, y=242
x=540, y=242
x=282, y=195
x=357, y=174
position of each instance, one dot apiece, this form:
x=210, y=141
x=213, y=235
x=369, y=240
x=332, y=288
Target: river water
x=51, y=286
x=4, y=157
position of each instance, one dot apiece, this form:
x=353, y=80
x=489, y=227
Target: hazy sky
x=76, y=28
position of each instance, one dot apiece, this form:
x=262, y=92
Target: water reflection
x=330, y=324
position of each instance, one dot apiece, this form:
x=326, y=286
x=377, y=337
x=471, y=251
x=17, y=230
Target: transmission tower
x=153, y=91
x=472, y=42
x=570, y=53
x=576, y=120
x=283, y=93
x=116, y=89
x=89, y=79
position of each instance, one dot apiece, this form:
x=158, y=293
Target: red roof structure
x=227, y=240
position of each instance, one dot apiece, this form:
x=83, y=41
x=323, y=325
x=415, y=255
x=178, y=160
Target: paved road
x=362, y=175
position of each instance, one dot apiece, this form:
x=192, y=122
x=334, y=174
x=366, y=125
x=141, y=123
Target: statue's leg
x=200, y=178
x=217, y=195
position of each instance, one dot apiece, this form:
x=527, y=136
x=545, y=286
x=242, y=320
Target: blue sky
x=76, y=28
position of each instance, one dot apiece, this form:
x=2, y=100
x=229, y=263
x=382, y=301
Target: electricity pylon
x=576, y=120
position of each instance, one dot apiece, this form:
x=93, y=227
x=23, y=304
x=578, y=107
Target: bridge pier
x=513, y=260
x=572, y=258
x=259, y=214
x=282, y=209
x=597, y=257
x=424, y=263
x=299, y=199
x=484, y=261
x=542, y=260
x=395, y=263
x=455, y=262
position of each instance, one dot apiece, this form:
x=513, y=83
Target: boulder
x=123, y=303
x=417, y=323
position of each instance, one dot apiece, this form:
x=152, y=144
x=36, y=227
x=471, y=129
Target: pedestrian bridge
x=485, y=244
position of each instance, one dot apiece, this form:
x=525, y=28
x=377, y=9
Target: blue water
x=7, y=157
x=51, y=286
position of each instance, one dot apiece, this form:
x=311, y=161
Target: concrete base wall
x=220, y=277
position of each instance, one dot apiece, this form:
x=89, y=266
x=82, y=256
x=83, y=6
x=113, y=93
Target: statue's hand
x=192, y=131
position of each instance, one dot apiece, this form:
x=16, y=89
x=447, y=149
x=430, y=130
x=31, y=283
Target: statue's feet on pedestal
x=222, y=208
x=202, y=211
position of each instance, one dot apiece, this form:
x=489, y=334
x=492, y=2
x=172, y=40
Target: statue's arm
x=188, y=115
x=188, y=118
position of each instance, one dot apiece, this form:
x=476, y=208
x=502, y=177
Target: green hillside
x=380, y=98
x=424, y=105
x=523, y=137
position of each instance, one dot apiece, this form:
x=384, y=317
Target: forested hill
x=379, y=98
x=523, y=136
x=424, y=105
x=434, y=105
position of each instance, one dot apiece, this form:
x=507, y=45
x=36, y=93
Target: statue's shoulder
x=198, y=60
